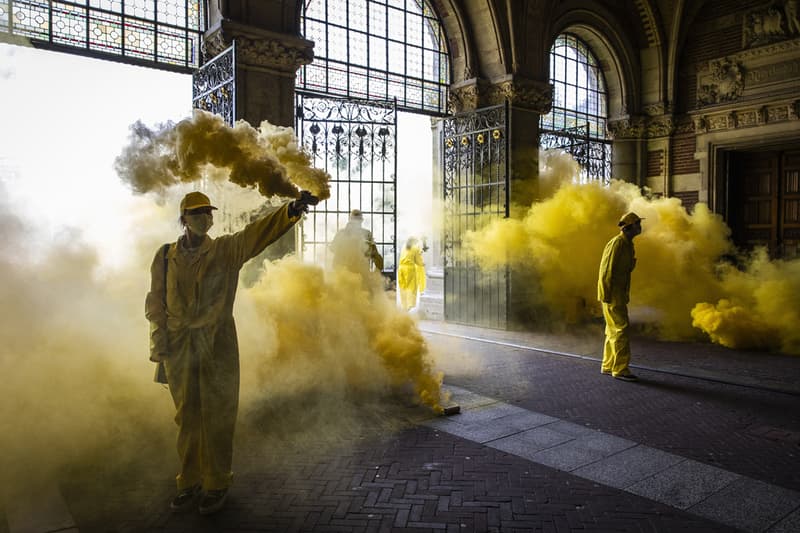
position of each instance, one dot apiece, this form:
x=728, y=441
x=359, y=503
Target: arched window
x=377, y=49
x=577, y=121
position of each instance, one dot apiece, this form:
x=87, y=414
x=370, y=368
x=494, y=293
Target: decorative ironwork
x=577, y=121
x=355, y=142
x=165, y=32
x=475, y=175
x=377, y=49
x=593, y=156
x=214, y=86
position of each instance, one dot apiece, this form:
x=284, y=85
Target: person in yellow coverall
x=354, y=247
x=613, y=290
x=410, y=274
x=192, y=331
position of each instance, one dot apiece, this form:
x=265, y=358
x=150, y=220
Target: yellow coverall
x=410, y=276
x=613, y=289
x=194, y=333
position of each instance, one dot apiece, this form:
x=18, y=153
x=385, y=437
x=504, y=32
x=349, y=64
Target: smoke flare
x=268, y=160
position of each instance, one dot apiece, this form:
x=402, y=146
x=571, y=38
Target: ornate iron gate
x=475, y=148
x=214, y=85
x=355, y=142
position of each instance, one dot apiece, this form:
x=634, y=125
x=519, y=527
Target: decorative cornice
x=770, y=50
x=534, y=95
x=627, y=128
x=662, y=126
x=255, y=47
x=747, y=117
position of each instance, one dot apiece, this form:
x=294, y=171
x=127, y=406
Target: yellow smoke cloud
x=335, y=332
x=680, y=262
x=267, y=159
x=74, y=353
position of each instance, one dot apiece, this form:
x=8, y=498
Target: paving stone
x=748, y=504
x=684, y=484
x=789, y=524
x=629, y=466
x=582, y=450
x=527, y=443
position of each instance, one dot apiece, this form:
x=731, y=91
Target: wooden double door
x=764, y=201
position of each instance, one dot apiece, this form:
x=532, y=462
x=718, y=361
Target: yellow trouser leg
x=408, y=298
x=204, y=382
x=617, y=348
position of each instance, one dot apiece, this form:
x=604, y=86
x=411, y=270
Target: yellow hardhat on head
x=195, y=200
x=628, y=219
x=356, y=213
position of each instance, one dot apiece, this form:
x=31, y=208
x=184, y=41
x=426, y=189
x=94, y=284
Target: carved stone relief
x=627, y=128
x=722, y=80
x=527, y=94
x=283, y=53
x=746, y=117
x=770, y=23
x=466, y=96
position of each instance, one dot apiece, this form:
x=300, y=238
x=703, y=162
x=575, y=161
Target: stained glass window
x=139, y=31
x=379, y=49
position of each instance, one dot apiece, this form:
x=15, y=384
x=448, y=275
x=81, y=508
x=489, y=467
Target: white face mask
x=199, y=224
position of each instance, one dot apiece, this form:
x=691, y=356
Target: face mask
x=199, y=224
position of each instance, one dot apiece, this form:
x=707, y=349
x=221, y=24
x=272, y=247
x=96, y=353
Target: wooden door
x=789, y=211
x=764, y=201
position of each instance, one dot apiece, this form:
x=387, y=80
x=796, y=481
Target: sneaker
x=213, y=501
x=185, y=498
x=626, y=377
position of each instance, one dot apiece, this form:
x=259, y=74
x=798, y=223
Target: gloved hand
x=300, y=206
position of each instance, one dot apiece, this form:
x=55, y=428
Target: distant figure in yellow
x=410, y=274
x=192, y=332
x=354, y=247
x=613, y=290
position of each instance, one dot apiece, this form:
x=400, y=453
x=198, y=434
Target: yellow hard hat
x=628, y=219
x=195, y=200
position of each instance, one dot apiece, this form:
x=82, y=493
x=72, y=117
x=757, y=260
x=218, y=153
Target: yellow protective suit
x=613, y=290
x=193, y=332
x=410, y=276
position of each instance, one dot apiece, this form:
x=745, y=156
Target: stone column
x=527, y=100
x=266, y=66
x=628, y=148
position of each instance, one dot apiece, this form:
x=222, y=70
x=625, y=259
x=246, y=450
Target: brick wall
x=688, y=199
x=655, y=163
x=683, y=161
x=715, y=32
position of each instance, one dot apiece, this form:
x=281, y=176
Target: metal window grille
x=144, y=32
x=355, y=142
x=377, y=49
x=577, y=120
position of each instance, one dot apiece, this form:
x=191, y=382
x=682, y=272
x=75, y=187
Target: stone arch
x=615, y=52
x=461, y=47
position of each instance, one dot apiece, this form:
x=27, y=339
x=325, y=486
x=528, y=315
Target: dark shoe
x=213, y=501
x=626, y=377
x=185, y=498
x=606, y=372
